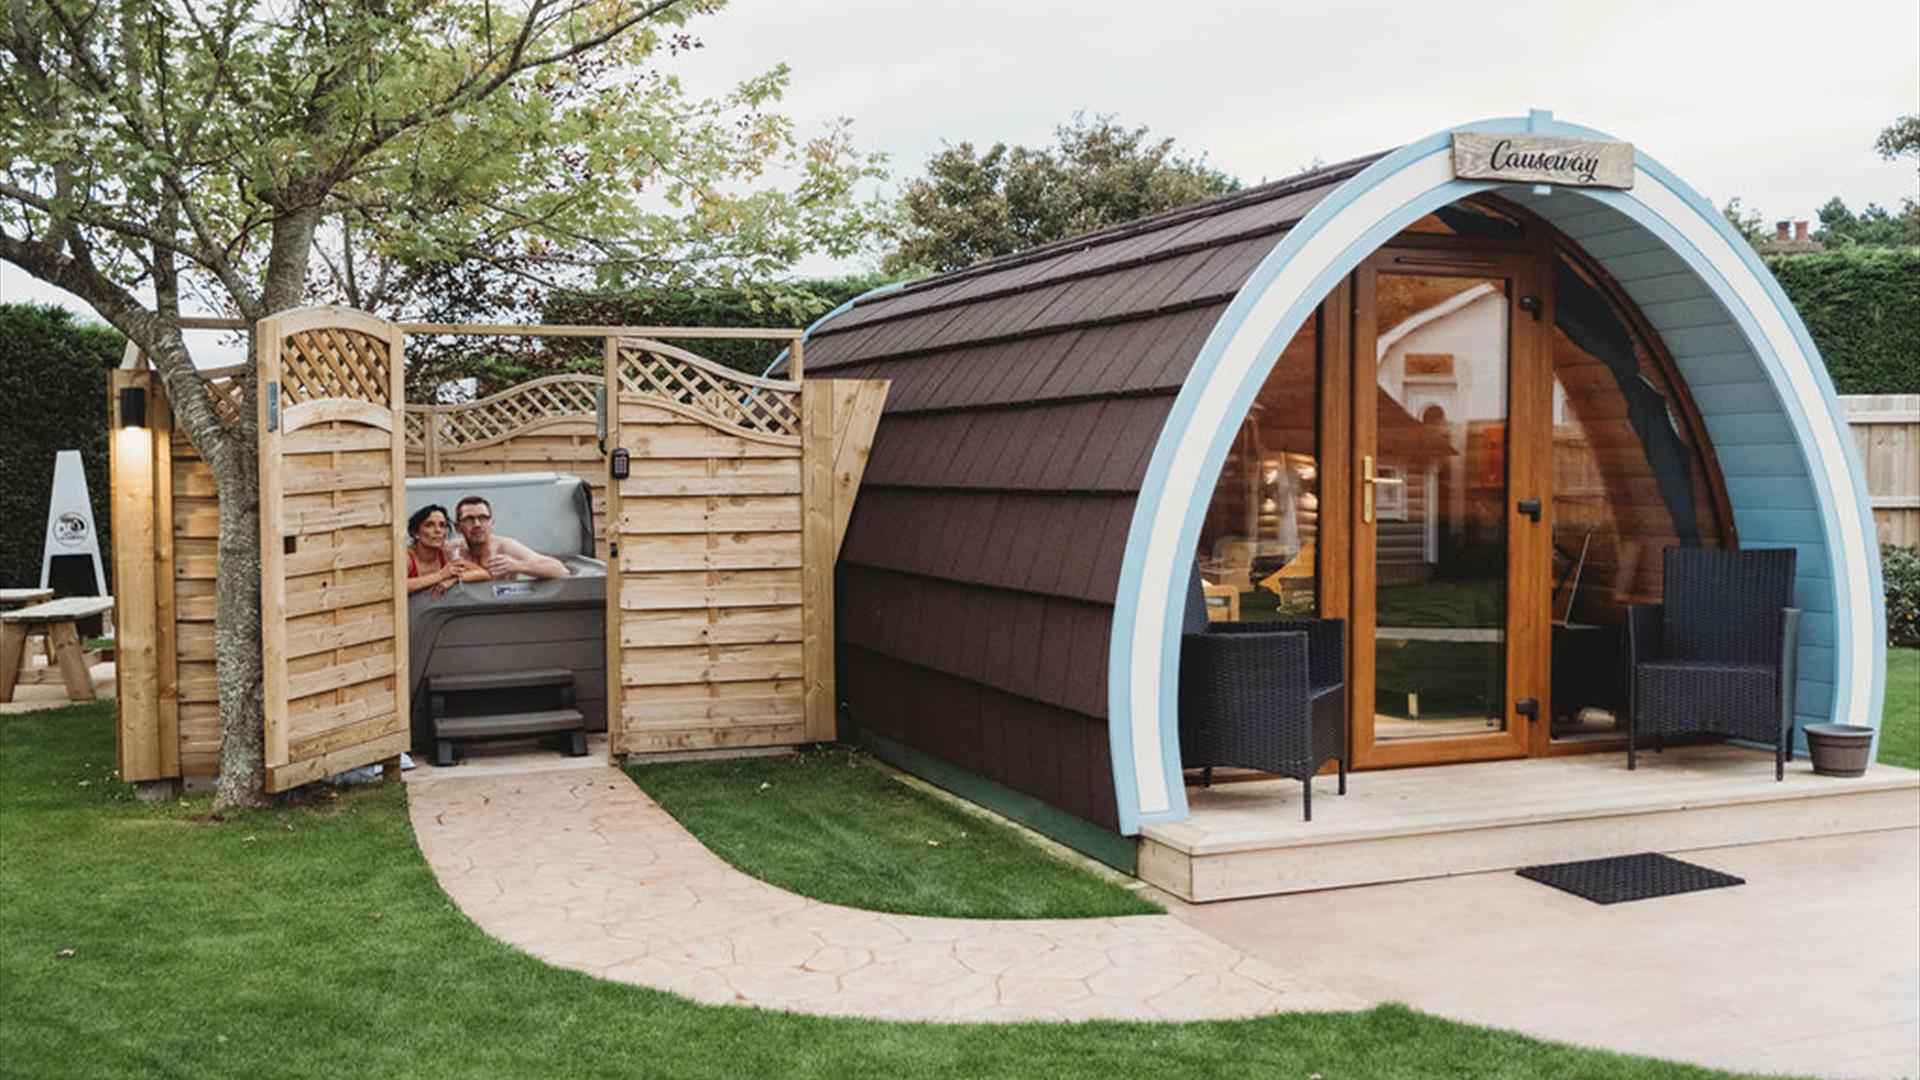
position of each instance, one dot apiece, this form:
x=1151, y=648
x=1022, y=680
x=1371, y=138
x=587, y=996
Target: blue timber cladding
x=975, y=590
x=1769, y=483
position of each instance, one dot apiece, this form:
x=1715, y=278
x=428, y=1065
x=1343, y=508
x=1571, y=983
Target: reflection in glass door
x=1439, y=497
x=1432, y=378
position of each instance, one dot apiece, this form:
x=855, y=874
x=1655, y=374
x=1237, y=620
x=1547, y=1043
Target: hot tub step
x=500, y=680
x=509, y=725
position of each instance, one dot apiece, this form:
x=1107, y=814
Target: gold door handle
x=1368, y=480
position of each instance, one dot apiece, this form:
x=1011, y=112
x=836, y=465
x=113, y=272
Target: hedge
x=53, y=396
x=1900, y=570
x=1862, y=306
x=787, y=304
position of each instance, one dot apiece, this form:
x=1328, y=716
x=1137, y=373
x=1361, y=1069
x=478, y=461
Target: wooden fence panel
x=1886, y=429
x=708, y=617
x=332, y=576
x=165, y=561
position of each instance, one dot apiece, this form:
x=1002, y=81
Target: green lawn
x=831, y=825
x=313, y=941
x=1900, y=717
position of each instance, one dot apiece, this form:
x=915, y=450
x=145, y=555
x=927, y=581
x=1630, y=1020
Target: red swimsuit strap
x=413, y=565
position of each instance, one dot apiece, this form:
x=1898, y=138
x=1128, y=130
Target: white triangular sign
x=70, y=529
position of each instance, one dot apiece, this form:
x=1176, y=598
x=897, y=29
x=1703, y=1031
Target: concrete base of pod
x=1839, y=749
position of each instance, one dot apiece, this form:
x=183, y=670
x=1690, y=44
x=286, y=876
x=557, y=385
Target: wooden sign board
x=1542, y=159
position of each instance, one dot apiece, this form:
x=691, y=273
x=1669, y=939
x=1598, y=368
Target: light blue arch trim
x=878, y=290
x=1329, y=242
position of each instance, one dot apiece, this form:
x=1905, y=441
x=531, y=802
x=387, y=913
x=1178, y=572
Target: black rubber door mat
x=1628, y=877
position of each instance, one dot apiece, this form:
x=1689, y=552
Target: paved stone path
x=581, y=869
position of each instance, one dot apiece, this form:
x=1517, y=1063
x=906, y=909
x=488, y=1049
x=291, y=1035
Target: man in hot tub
x=503, y=557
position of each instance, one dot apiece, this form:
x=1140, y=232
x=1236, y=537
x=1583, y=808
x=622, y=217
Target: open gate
x=332, y=568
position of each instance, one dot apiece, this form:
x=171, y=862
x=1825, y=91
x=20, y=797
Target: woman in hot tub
x=431, y=564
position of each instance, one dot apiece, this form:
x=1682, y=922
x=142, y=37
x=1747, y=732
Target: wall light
x=133, y=407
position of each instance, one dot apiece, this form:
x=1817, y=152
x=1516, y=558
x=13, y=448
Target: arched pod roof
x=1720, y=315
x=980, y=567
x=981, y=562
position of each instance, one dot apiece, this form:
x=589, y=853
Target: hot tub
x=490, y=627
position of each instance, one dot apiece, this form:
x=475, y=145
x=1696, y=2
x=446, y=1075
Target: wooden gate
x=722, y=541
x=332, y=579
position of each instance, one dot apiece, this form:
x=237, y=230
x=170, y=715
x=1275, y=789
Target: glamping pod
x=1463, y=395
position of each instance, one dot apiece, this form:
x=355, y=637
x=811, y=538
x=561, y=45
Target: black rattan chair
x=1717, y=655
x=1263, y=695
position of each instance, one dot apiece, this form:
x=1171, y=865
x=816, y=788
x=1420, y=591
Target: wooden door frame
x=1529, y=474
x=1538, y=252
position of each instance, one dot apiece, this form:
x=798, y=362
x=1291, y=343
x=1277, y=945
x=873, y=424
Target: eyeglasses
x=475, y=519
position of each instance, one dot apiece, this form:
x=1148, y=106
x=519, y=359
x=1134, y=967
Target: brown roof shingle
x=975, y=589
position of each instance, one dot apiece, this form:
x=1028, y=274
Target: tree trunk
x=238, y=660
x=243, y=778
x=236, y=617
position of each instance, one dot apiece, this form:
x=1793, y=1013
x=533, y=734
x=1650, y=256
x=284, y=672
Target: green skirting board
x=1119, y=852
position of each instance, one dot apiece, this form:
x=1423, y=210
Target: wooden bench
x=19, y=598
x=56, y=619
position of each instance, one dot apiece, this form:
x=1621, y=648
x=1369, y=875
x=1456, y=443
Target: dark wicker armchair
x=1717, y=656
x=1263, y=695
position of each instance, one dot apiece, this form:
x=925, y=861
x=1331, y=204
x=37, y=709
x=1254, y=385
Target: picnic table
x=17, y=598
x=58, y=620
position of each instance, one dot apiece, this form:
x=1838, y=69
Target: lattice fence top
x=333, y=362
x=223, y=390
x=646, y=368
x=493, y=419
x=762, y=406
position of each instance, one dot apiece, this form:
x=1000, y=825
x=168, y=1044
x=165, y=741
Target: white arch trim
x=1283, y=291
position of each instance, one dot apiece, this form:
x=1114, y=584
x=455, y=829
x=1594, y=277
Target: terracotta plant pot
x=1839, y=749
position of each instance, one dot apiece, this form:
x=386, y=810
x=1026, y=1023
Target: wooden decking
x=1247, y=839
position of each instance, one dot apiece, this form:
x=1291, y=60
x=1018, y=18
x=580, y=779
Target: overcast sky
x=1776, y=102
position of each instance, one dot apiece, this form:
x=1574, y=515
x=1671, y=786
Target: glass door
x=1445, y=516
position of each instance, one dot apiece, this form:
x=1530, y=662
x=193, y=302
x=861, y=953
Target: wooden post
x=166, y=611
x=817, y=555
x=857, y=409
x=795, y=368
x=616, y=647
x=131, y=469
x=430, y=435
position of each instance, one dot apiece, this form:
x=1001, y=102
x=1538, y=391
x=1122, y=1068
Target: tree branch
x=132, y=115
x=474, y=88
x=62, y=221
